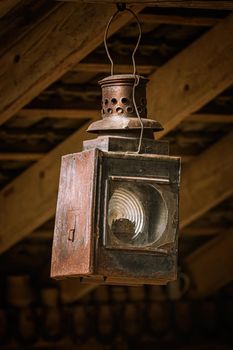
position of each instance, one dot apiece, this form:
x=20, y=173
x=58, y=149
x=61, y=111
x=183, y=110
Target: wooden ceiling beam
x=178, y=20
x=201, y=231
x=192, y=78
x=207, y=118
x=210, y=118
x=20, y=156
x=118, y=68
x=7, y=6
x=206, y=181
x=202, y=4
x=30, y=200
x=50, y=48
x=211, y=266
x=58, y=113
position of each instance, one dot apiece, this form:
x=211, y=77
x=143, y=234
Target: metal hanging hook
x=121, y=8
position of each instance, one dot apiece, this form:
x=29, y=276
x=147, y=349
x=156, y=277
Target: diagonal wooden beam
x=178, y=20
x=7, y=6
x=206, y=181
x=20, y=156
x=50, y=48
x=30, y=200
x=211, y=265
x=193, y=77
x=208, y=118
x=58, y=113
x=198, y=231
x=211, y=118
x=118, y=68
x=204, y=4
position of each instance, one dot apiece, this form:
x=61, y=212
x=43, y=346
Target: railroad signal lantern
x=117, y=208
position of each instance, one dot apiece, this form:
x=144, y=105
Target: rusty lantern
x=117, y=208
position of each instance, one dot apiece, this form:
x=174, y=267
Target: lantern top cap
x=124, y=106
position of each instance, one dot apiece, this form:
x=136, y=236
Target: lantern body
x=117, y=213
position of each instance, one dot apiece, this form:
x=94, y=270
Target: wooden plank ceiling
x=52, y=57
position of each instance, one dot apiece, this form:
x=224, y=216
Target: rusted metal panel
x=74, y=231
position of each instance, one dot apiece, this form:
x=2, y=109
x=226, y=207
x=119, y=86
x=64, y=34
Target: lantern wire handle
x=120, y=8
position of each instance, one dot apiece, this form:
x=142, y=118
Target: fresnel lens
x=117, y=208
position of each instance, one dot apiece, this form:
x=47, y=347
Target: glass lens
x=126, y=215
x=137, y=213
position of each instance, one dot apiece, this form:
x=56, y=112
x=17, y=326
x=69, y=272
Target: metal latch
x=71, y=224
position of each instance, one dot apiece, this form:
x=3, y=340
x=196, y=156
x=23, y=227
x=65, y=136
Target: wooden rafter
x=199, y=231
x=193, y=77
x=211, y=118
x=58, y=113
x=211, y=265
x=178, y=20
x=105, y=68
x=208, y=118
x=49, y=49
x=206, y=181
x=204, y=4
x=7, y=6
x=30, y=199
x=20, y=156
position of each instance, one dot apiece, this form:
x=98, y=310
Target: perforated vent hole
x=129, y=109
x=139, y=109
x=124, y=100
x=119, y=110
x=114, y=101
x=109, y=110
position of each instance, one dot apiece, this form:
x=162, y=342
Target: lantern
x=117, y=208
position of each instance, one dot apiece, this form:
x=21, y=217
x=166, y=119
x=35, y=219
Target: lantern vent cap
x=118, y=107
